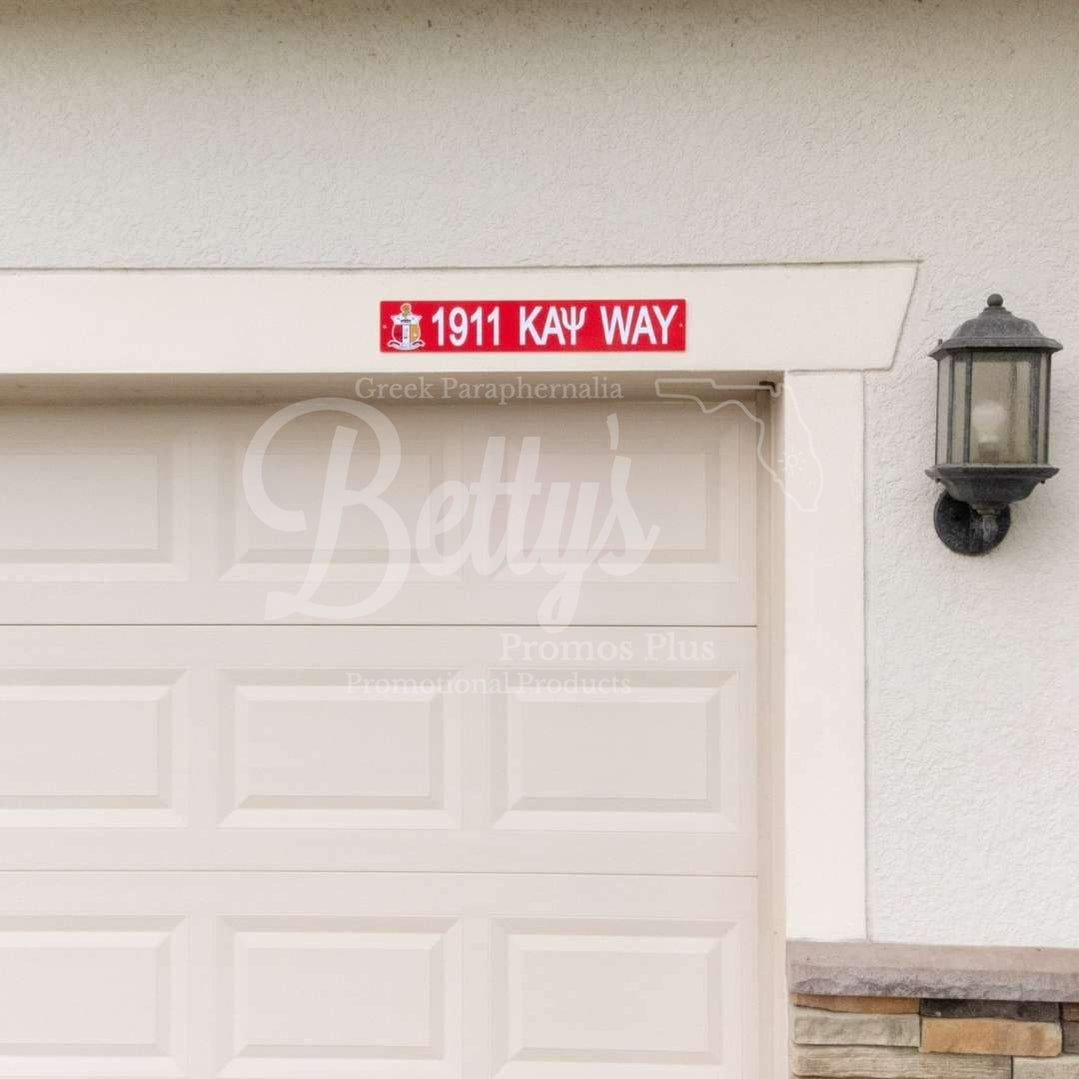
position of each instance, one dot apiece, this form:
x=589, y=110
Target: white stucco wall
x=439, y=134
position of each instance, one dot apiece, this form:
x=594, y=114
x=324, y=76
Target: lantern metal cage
x=992, y=445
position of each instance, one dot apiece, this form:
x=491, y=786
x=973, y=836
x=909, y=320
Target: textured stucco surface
x=269, y=134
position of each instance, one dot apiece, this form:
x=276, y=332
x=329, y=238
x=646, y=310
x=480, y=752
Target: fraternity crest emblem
x=405, y=335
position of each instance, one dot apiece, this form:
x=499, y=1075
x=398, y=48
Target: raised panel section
x=96, y=748
x=336, y=997
x=661, y=488
x=93, y=501
x=92, y=997
x=608, y=998
x=353, y=487
x=656, y=751
x=80, y=508
x=341, y=749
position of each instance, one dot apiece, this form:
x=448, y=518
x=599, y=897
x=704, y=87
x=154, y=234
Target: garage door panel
x=103, y=747
x=684, y=474
x=664, y=754
x=95, y=996
x=301, y=749
x=607, y=998
x=89, y=504
x=293, y=475
x=136, y=515
x=358, y=754
x=339, y=996
x=274, y=976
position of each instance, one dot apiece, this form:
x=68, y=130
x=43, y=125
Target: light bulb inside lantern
x=988, y=432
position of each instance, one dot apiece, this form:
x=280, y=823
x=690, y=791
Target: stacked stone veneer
x=835, y=1037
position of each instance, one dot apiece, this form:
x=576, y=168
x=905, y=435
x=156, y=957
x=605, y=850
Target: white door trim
x=824, y=657
x=837, y=316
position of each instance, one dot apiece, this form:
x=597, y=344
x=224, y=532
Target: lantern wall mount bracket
x=963, y=530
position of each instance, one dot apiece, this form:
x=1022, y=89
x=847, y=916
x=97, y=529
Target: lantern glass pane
x=958, y=416
x=1003, y=407
x=1043, y=409
x=944, y=378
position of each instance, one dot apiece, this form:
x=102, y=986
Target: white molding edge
x=739, y=318
x=824, y=657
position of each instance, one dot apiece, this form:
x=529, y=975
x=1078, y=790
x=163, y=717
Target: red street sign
x=533, y=326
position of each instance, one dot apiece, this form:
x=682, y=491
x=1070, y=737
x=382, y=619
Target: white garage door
x=423, y=837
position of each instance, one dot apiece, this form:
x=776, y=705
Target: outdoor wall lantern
x=992, y=425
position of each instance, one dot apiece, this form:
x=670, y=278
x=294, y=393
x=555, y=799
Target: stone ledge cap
x=926, y=970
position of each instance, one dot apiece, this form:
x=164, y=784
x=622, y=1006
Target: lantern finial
x=996, y=300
